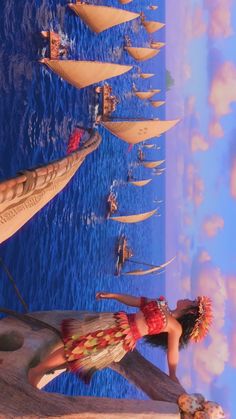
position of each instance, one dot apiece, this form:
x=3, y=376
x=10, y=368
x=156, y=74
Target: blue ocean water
x=66, y=253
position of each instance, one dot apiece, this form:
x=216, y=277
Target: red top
x=154, y=315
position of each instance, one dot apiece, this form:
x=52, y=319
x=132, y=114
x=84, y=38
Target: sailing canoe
x=142, y=54
x=145, y=95
x=137, y=218
x=125, y=1
x=152, y=26
x=140, y=182
x=146, y=75
x=84, y=73
x=24, y=195
x=152, y=164
x=153, y=7
x=99, y=18
x=157, y=103
x=134, y=132
x=149, y=271
x=157, y=45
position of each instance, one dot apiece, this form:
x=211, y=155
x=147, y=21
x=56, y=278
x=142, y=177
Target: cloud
x=204, y=256
x=223, y=89
x=198, y=143
x=215, y=129
x=212, y=225
x=220, y=13
x=194, y=185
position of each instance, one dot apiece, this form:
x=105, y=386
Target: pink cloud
x=198, y=143
x=204, y=257
x=215, y=129
x=195, y=186
x=212, y=225
x=220, y=20
x=199, y=26
x=233, y=179
x=223, y=89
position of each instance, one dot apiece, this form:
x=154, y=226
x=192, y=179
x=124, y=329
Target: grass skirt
x=95, y=341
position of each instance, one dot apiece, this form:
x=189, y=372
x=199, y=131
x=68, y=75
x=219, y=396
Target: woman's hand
x=102, y=295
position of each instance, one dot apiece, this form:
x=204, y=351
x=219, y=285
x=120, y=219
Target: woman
x=96, y=340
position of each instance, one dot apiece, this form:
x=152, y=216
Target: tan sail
x=152, y=164
x=149, y=271
x=146, y=75
x=155, y=90
x=142, y=54
x=148, y=145
x=152, y=26
x=145, y=95
x=100, y=18
x=157, y=103
x=23, y=196
x=125, y=1
x=153, y=7
x=134, y=218
x=140, y=182
x=134, y=132
x=84, y=73
x=158, y=45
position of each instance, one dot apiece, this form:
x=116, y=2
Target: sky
x=201, y=184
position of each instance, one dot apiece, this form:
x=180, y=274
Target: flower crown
x=204, y=320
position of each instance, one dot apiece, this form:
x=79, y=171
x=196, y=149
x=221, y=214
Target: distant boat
x=140, y=183
x=149, y=145
x=136, y=218
x=153, y=7
x=124, y=253
x=146, y=95
x=84, y=73
x=152, y=164
x=99, y=18
x=146, y=75
x=157, y=103
x=141, y=54
x=125, y=1
x=135, y=131
x=152, y=26
x=152, y=269
x=158, y=45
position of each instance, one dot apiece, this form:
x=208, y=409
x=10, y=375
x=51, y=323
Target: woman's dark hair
x=187, y=321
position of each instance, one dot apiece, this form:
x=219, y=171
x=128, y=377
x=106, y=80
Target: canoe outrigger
x=109, y=101
x=124, y=253
x=112, y=204
x=56, y=49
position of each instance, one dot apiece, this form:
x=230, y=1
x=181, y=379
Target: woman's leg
x=53, y=361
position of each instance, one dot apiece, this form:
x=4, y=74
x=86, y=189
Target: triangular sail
x=100, y=18
x=149, y=271
x=152, y=164
x=155, y=90
x=152, y=26
x=140, y=182
x=134, y=218
x=24, y=195
x=157, y=103
x=148, y=145
x=146, y=75
x=158, y=45
x=145, y=95
x=142, y=54
x=134, y=132
x=84, y=73
x=125, y=1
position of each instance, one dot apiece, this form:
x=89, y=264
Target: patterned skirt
x=95, y=340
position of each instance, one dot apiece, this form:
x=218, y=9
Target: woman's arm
x=129, y=300
x=173, y=349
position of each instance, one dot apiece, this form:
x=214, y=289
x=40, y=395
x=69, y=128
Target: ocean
x=67, y=251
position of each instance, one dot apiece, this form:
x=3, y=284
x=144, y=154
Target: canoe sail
x=152, y=164
x=149, y=271
x=152, y=26
x=125, y=1
x=23, y=196
x=157, y=103
x=157, y=45
x=145, y=95
x=100, y=18
x=148, y=145
x=140, y=182
x=134, y=218
x=153, y=7
x=142, y=54
x=155, y=90
x=146, y=75
x=134, y=132
x=84, y=73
